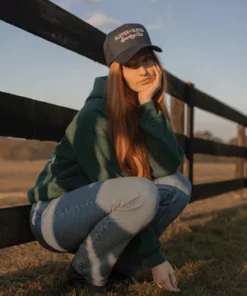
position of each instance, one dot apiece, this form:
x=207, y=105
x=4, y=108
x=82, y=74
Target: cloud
x=97, y=19
x=67, y=4
x=154, y=1
x=100, y=20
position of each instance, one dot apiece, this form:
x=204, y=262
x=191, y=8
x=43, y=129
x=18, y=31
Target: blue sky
x=203, y=41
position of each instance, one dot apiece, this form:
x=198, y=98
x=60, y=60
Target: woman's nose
x=142, y=70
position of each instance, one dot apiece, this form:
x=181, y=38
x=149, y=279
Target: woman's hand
x=165, y=277
x=147, y=95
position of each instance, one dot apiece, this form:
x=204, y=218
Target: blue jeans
x=99, y=222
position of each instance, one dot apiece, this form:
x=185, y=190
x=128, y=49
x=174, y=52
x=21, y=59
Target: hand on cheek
x=147, y=95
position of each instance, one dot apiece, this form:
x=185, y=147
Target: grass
x=207, y=250
x=206, y=246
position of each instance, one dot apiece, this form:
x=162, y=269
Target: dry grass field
x=17, y=176
x=206, y=245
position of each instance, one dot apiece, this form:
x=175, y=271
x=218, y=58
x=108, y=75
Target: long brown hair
x=123, y=122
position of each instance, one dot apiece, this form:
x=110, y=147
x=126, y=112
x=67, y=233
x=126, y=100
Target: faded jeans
x=98, y=222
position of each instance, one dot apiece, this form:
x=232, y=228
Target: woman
x=112, y=187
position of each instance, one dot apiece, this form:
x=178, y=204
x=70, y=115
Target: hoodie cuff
x=156, y=259
x=147, y=110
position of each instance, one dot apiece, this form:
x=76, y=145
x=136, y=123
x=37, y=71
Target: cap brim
x=124, y=57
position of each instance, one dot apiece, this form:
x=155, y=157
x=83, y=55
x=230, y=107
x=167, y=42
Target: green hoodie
x=85, y=155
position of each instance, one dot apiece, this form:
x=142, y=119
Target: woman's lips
x=145, y=81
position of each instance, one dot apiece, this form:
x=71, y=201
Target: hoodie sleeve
x=160, y=139
x=92, y=149
x=96, y=157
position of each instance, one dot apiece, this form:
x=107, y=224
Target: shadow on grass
x=47, y=279
x=211, y=259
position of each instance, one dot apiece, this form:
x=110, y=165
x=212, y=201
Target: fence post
x=190, y=99
x=240, y=162
x=177, y=120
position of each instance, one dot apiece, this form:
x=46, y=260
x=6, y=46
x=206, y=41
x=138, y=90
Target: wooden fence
x=26, y=118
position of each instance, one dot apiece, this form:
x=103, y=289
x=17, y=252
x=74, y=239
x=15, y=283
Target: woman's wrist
x=144, y=101
x=156, y=259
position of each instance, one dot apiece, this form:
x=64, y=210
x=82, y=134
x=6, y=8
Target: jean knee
x=149, y=194
x=184, y=199
x=184, y=184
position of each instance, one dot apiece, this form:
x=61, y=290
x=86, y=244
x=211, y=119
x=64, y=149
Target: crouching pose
x=111, y=187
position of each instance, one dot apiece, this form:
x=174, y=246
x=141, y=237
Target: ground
x=206, y=244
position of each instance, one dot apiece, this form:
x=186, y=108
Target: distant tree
x=207, y=135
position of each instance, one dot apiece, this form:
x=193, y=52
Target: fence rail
x=32, y=119
x=209, y=104
x=27, y=118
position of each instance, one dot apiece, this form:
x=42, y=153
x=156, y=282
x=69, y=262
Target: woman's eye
x=132, y=66
x=148, y=59
x=135, y=65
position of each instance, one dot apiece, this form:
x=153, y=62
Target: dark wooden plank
x=26, y=118
x=212, y=105
x=205, y=190
x=190, y=98
x=32, y=119
x=177, y=120
x=202, y=146
x=240, y=162
x=49, y=21
x=177, y=115
x=14, y=226
x=176, y=87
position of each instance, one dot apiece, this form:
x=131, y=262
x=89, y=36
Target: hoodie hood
x=99, y=88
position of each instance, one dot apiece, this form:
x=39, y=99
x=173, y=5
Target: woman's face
x=139, y=72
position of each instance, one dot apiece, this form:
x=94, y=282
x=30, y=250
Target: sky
x=204, y=42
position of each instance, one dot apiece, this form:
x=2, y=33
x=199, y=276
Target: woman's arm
x=93, y=149
x=160, y=139
x=95, y=154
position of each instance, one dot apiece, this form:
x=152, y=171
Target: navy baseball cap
x=125, y=41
